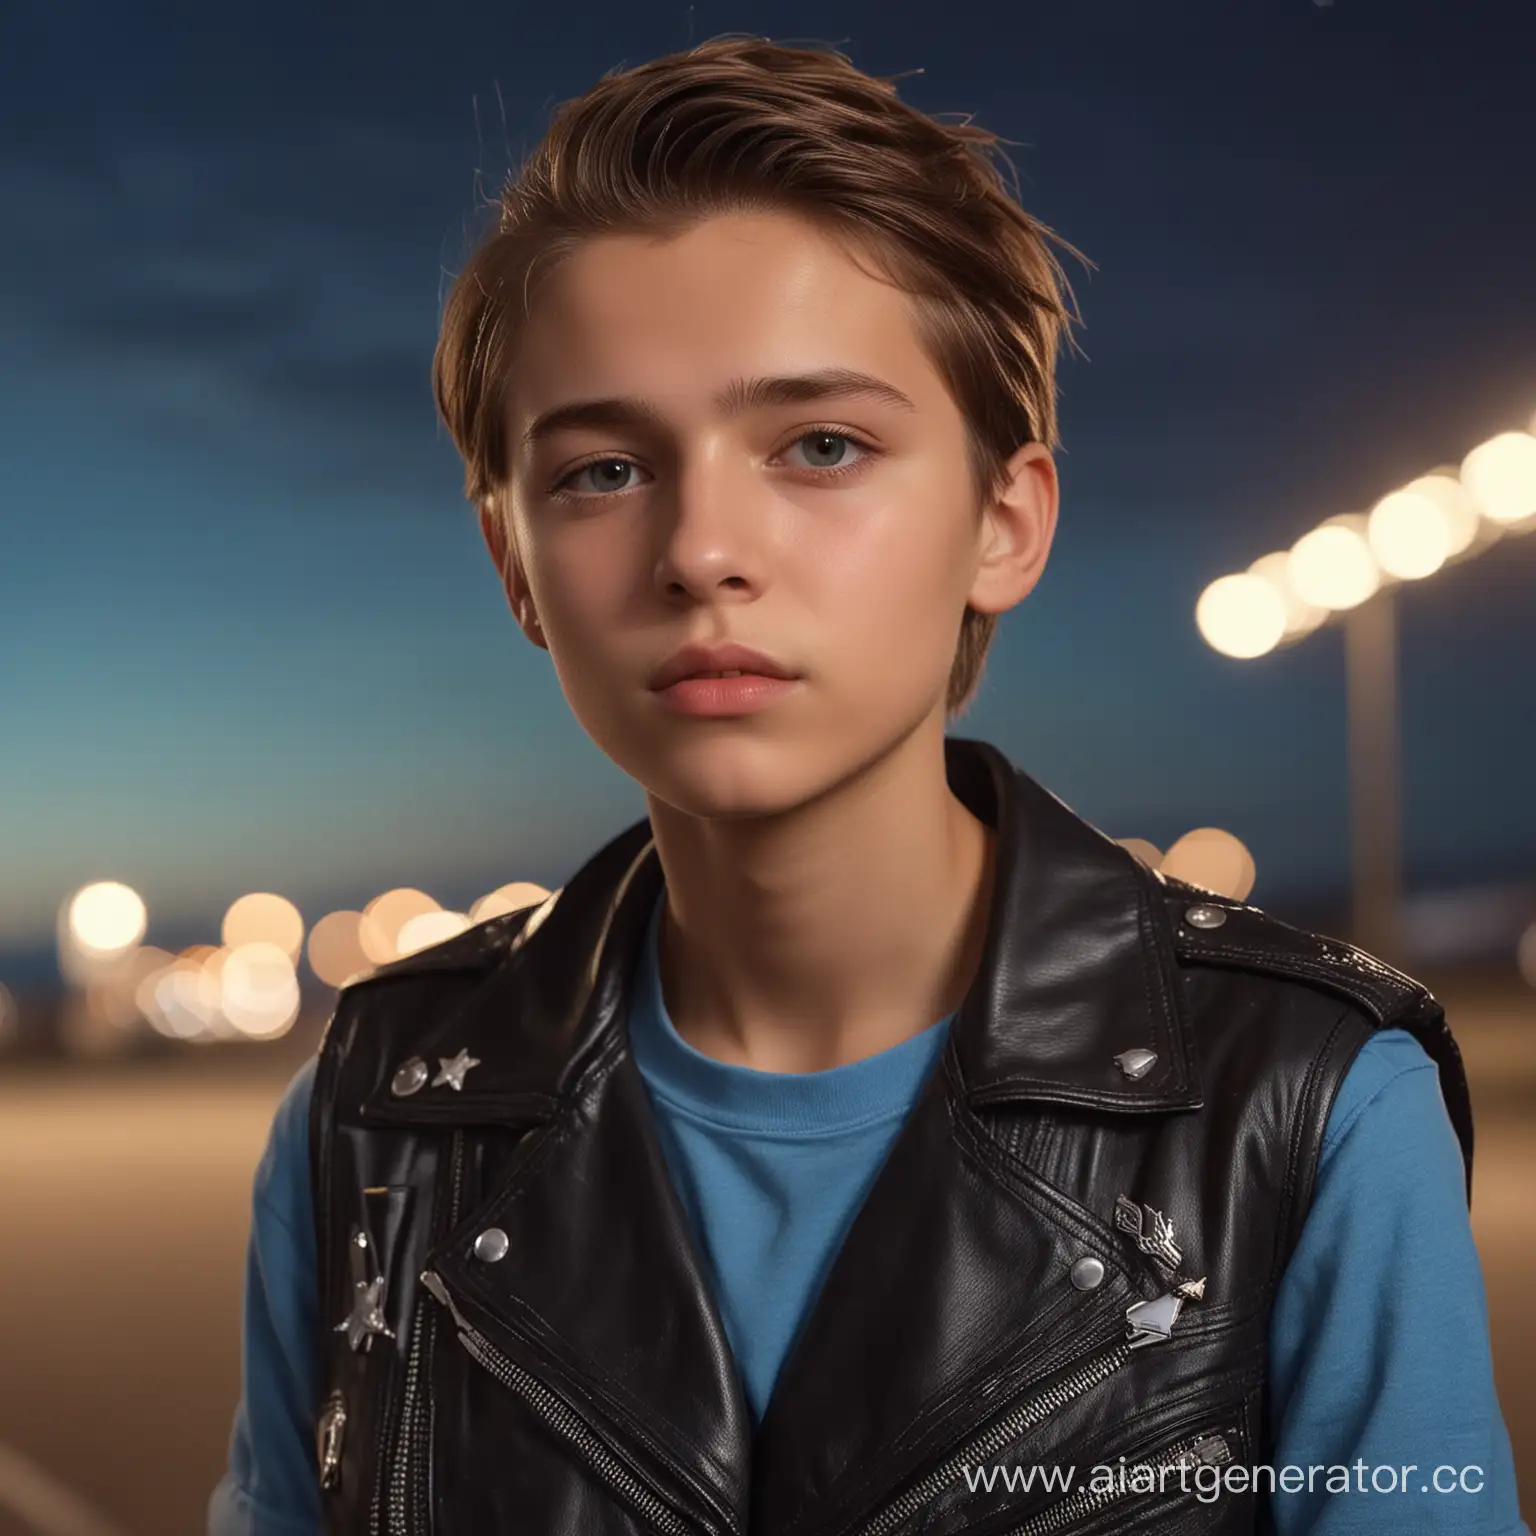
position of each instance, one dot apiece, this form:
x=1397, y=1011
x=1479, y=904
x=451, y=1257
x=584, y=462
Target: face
x=664, y=493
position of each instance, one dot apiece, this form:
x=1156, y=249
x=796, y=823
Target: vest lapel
x=949, y=1297
x=600, y=1293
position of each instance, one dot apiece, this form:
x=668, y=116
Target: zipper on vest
x=1203, y=1450
x=1088, y=1372
x=406, y=1498
x=554, y=1413
x=1027, y=1415
x=401, y=1483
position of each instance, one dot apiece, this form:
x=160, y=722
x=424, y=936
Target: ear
x=498, y=540
x=1015, y=531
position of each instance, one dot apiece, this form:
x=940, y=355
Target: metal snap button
x=1136, y=1062
x=411, y=1077
x=492, y=1245
x=1088, y=1273
x=1205, y=917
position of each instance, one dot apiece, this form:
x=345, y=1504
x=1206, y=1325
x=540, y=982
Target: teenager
x=862, y=1129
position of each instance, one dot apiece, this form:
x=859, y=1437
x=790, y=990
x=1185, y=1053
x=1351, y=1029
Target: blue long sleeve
x=1379, y=1335
x=272, y=1485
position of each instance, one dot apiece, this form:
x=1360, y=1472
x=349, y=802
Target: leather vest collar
x=1078, y=967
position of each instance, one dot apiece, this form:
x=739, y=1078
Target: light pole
x=1350, y=567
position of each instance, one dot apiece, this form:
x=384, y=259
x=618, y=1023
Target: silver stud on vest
x=453, y=1070
x=410, y=1078
x=1136, y=1062
x=492, y=1245
x=1088, y=1273
x=1203, y=916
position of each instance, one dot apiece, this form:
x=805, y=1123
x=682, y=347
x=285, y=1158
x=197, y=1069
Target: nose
x=714, y=525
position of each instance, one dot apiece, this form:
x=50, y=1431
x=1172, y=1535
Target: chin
x=712, y=796
x=729, y=779
x=749, y=769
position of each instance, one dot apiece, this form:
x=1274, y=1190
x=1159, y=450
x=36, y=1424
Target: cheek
x=897, y=574
x=578, y=583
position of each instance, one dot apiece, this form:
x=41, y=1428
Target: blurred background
x=265, y=721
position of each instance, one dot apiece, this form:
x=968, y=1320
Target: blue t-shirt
x=1378, y=1336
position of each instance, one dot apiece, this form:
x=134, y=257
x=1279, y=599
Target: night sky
x=249, y=638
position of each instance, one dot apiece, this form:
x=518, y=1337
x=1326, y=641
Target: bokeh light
x=1409, y=535
x=149, y=967
x=1332, y=567
x=107, y=918
x=1525, y=955
x=263, y=918
x=1500, y=477
x=259, y=989
x=1461, y=519
x=1214, y=860
x=1241, y=616
x=337, y=951
x=1300, y=618
x=429, y=928
x=507, y=898
x=1149, y=853
x=388, y=914
x=187, y=1001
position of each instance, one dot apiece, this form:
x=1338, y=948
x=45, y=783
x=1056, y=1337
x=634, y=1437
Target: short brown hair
x=746, y=124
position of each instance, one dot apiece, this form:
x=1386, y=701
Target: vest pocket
x=1207, y=1448
x=1019, y=1420
x=1167, y=1483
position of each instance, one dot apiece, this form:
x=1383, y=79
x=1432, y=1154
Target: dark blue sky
x=248, y=638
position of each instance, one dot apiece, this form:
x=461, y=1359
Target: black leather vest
x=1067, y=1260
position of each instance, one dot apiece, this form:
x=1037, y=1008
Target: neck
x=818, y=936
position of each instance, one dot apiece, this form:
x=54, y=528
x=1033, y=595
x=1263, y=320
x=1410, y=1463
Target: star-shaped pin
x=367, y=1315
x=453, y=1069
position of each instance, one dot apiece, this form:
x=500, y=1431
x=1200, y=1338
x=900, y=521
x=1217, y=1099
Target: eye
x=829, y=450
x=606, y=475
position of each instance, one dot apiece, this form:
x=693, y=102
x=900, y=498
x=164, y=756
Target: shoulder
x=1216, y=931
x=432, y=979
x=1286, y=975
x=467, y=993
x=281, y=1190
x=1392, y=1071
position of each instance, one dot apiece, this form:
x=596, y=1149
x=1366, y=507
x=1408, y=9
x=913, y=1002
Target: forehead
x=735, y=295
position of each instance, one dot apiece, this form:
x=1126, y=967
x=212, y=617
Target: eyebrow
x=738, y=396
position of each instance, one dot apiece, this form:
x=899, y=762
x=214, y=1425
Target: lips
x=699, y=660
